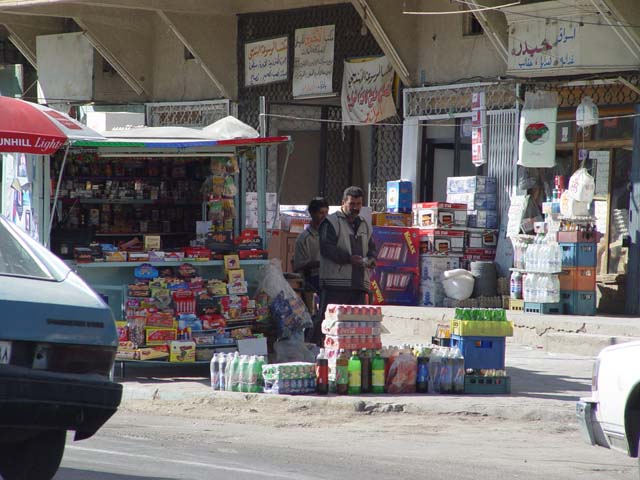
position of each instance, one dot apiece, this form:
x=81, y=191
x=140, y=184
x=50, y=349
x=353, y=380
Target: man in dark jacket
x=347, y=256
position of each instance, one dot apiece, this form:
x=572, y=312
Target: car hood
x=66, y=311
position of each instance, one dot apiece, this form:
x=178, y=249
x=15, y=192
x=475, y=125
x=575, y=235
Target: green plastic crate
x=477, y=384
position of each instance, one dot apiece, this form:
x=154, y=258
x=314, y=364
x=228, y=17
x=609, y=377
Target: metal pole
x=55, y=197
x=261, y=176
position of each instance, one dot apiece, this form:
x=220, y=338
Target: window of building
x=470, y=24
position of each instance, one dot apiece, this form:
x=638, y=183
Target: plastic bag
x=402, y=374
x=293, y=349
x=581, y=186
x=287, y=309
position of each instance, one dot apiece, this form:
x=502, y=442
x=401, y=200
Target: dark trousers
x=337, y=296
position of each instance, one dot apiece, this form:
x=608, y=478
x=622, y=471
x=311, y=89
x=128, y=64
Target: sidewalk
x=555, y=333
x=544, y=387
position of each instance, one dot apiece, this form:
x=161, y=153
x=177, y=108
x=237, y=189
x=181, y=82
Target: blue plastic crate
x=582, y=303
x=566, y=300
x=481, y=352
x=543, y=308
x=579, y=254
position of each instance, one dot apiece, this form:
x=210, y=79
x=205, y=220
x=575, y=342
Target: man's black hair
x=355, y=192
x=317, y=203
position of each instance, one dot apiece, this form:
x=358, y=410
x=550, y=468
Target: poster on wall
x=313, y=61
x=367, y=91
x=600, y=171
x=266, y=61
x=18, y=171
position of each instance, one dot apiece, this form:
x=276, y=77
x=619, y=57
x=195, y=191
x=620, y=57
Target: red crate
x=579, y=278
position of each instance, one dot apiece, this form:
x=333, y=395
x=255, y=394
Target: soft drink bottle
x=422, y=378
x=214, y=370
x=342, y=373
x=458, y=373
x=377, y=374
x=322, y=373
x=434, y=369
x=355, y=375
x=244, y=374
x=365, y=362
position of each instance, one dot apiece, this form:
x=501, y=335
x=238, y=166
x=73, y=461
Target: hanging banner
x=313, y=61
x=537, y=140
x=266, y=61
x=367, y=91
x=479, y=129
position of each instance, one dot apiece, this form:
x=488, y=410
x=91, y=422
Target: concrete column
x=411, y=153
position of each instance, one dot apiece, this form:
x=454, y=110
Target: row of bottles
x=362, y=372
x=541, y=288
x=237, y=373
x=543, y=256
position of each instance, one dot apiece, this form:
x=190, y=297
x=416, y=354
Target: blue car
x=57, y=347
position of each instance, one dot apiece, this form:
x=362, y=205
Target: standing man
x=348, y=254
x=307, y=255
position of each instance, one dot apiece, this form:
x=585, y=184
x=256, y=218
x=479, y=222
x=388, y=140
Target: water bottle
x=541, y=289
x=515, y=285
x=214, y=370
x=222, y=367
x=555, y=289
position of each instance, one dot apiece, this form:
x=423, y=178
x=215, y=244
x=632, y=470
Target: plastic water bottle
x=528, y=287
x=541, y=289
x=222, y=367
x=554, y=289
x=214, y=369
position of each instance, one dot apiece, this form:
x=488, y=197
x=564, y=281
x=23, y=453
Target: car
x=610, y=417
x=58, y=342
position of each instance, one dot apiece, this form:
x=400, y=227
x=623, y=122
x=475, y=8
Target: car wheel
x=36, y=458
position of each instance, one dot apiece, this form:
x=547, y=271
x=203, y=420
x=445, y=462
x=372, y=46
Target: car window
x=16, y=258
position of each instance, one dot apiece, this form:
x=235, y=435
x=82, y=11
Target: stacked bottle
x=543, y=260
x=237, y=373
x=348, y=329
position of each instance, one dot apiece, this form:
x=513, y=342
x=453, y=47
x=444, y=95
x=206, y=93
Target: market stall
x=152, y=219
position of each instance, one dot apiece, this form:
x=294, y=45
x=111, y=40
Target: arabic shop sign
x=538, y=46
x=266, y=61
x=367, y=91
x=313, y=61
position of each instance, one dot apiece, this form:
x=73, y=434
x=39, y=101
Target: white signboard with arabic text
x=266, y=61
x=367, y=91
x=313, y=61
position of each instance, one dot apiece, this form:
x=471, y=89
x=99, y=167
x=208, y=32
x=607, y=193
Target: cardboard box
x=157, y=352
x=482, y=219
x=397, y=246
x=115, y=256
x=138, y=257
x=385, y=219
x=481, y=238
x=475, y=184
x=439, y=215
x=182, y=351
x=399, y=196
x=159, y=335
x=433, y=266
x=475, y=201
x=156, y=256
x=395, y=286
x=152, y=242
x=439, y=240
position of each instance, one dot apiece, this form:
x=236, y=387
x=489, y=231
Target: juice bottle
x=377, y=374
x=322, y=373
x=355, y=375
x=342, y=373
x=365, y=362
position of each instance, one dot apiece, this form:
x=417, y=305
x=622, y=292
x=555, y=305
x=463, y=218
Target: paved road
x=302, y=445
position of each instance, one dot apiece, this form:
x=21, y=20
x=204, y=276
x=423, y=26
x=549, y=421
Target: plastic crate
x=442, y=342
x=481, y=328
x=480, y=385
x=584, y=303
x=481, y=352
x=543, y=308
x=516, y=305
x=566, y=300
x=578, y=237
x=579, y=279
x=578, y=254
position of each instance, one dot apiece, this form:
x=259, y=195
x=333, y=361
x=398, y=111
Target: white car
x=611, y=416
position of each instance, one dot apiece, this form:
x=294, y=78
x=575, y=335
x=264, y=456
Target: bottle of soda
x=377, y=374
x=342, y=373
x=365, y=361
x=322, y=373
x=422, y=378
x=222, y=371
x=355, y=374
